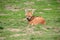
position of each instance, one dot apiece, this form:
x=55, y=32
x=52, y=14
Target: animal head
x=29, y=12
x=28, y=15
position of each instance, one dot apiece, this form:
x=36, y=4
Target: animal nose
x=27, y=18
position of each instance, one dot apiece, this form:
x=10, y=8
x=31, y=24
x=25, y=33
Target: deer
x=33, y=20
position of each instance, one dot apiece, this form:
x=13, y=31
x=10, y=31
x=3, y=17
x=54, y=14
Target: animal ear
x=33, y=10
x=30, y=10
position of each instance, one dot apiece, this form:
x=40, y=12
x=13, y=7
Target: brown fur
x=34, y=20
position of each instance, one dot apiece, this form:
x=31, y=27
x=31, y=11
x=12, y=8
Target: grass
x=10, y=18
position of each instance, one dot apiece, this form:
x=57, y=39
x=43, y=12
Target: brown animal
x=34, y=20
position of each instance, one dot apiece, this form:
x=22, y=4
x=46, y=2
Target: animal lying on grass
x=33, y=20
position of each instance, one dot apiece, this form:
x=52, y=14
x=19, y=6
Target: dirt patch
x=47, y=9
x=58, y=8
x=38, y=0
x=56, y=29
x=30, y=30
x=2, y=38
x=12, y=7
x=27, y=31
x=16, y=35
x=49, y=4
x=29, y=3
x=3, y=14
x=13, y=29
x=24, y=19
x=11, y=19
x=58, y=1
x=39, y=32
x=41, y=12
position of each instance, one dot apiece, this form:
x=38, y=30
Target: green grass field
x=14, y=26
